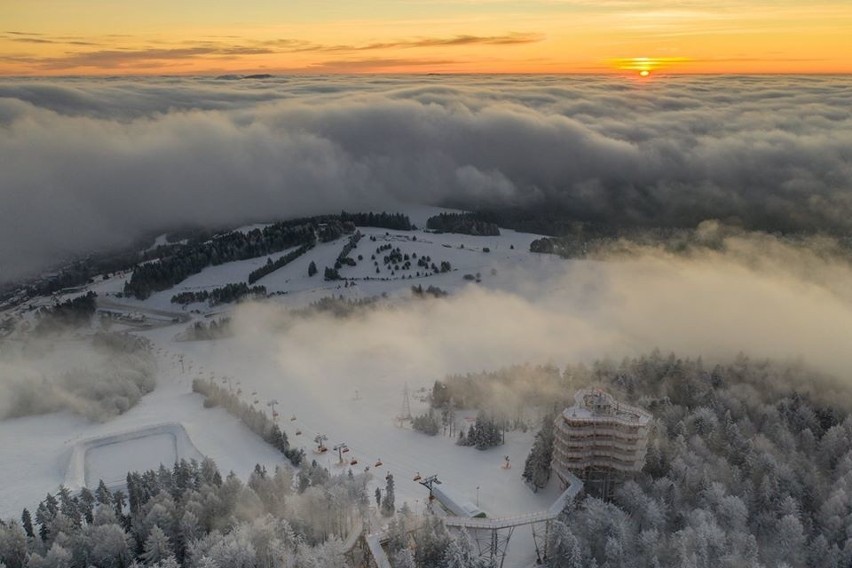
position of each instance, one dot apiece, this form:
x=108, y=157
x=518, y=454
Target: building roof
x=596, y=404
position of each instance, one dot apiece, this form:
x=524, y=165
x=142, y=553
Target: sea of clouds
x=92, y=164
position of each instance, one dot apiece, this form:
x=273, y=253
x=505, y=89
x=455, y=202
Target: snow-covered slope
x=354, y=401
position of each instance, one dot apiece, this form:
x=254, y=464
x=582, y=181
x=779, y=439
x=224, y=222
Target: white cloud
x=94, y=163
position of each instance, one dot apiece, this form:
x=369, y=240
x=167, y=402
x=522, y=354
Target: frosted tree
x=157, y=546
x=397, y=535
x=159, y=511
x=189, y=529
x=110, y=547
x=27, y=523
x=87, y=503
x=57, y=557
x=233, y=550
x=104, y=515
x=404, y=559
x=790, y=540
x=563, y=550
x=460, y=554
x=13, y=545
x=388, y=505
x=102, y=494
x=537, y=466
x=327, y=555
x=431, y=540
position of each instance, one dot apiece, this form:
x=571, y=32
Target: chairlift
x=353, y=461
x=293, y=418
x=378, y=463
x=417, y=476
x=298, y=432
x=345, y=450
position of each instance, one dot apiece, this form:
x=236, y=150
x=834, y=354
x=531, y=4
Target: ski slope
x=353, y=395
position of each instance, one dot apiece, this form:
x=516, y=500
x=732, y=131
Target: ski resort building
x=455, y=504
x=600, y=440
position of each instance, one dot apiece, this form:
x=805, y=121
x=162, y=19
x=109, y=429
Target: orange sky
x=114, y=37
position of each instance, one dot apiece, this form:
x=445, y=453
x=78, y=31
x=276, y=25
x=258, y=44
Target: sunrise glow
x=88, y=37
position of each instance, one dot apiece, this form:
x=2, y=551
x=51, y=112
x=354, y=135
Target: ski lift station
x=455, y=504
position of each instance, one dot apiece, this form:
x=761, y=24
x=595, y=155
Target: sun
x=645, y=66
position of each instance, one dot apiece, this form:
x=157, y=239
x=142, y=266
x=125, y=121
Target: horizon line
x=248, y=74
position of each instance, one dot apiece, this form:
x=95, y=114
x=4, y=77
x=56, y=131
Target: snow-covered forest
x=191, y=516
x=746, y=467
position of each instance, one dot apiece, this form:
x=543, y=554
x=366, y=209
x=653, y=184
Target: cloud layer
x=756, y=295
x=88, y=164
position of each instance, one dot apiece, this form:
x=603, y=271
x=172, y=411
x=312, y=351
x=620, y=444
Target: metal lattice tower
x=406, y=404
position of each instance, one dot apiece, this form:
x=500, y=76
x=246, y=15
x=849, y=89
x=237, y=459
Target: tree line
x=229, y=293
x=214, y=329
x=463, y=223
x=66, y=315
x=271, y=266
x=189, y=515
x=256, y=420
x=191, y=258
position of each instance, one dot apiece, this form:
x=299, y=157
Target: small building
x=600, y=440
x=457, y=505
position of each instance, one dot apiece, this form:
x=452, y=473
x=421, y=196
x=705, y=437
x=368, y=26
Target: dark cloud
x=86, y=164
x=216, y=49
x=377, y=64
x=135, y=58
x=509, y=39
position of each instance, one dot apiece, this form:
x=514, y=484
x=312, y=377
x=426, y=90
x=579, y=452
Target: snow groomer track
x=110, y=457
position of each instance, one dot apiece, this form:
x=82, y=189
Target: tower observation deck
x=600, y=440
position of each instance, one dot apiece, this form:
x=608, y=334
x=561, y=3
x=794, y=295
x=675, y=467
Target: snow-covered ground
x=354, y=398
x=109, y=458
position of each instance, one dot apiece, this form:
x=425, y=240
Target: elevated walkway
x=551, y=513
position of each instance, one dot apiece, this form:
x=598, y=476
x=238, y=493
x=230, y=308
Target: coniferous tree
x=431, y=539
x=27, y=523
x=157, y=547
x=563, y=550
x=13, y=545
x=426, y=423
x=87, y=503
x=537, y=466
x=103, y=495
x=388, y=505
x=404, y=559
